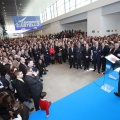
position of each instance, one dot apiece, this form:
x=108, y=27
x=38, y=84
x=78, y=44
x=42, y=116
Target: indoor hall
x=86, y=93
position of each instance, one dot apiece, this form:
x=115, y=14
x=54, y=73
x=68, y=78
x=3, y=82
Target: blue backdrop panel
x=27, y=22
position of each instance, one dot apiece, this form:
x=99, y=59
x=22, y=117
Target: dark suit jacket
x=79, y=52
x=22, y=91
x=115, y=52
x=46, y=52
x=64, y=52
x=105, y=51
x=71, y=53
x=36, y=54
x=87, y=52
x=23, y=68
x=34, y=85
x=2, y=69
x=111, y=51
x=96, y=53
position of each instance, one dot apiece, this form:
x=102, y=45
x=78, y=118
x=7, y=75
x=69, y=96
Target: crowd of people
x=23, y=62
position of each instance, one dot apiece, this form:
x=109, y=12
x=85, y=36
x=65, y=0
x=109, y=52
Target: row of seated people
x=22, y=84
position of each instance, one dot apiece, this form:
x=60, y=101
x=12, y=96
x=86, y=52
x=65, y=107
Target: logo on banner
x=27, y=22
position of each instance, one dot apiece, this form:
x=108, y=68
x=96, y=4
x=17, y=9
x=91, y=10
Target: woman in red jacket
x=44, y=104
x=52, y=54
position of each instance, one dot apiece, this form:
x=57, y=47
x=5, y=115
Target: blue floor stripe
x=88, y=103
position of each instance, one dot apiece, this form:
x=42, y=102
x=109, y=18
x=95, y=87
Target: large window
x=52, y=11
x=85, y=2
x=67, y=6
x=60, y=7
x=94, y=0
x=41, y=17
x=48, y=13
x=55, y=10
x=78, y=3
x=72, y=5
x=44, y=15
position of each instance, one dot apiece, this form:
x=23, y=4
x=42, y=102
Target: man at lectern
x=117, y=62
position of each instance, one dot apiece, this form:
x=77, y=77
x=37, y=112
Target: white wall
x=110, y=22
x=38, y=32
x=76, y=26
x=97, y=22
x=11, y=35
x=54, y=27
x=93, y=22
x=57, y=27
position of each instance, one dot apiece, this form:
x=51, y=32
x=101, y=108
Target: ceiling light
x=4, y=10
x=2, y=2
x=20, y=4
x=3, y=7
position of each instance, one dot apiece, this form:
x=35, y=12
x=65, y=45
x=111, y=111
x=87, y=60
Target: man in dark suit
x=36, y=54
x=35, y=85
x=116, y=51
x=46, y=55
x=79, y=54
x=23, y=66
x=64, y=53
x=23, y=92
x=104, y=52
x=96, y=56
x=117, y=62
x=72, y=56
x=111, y=47
x=86, y=56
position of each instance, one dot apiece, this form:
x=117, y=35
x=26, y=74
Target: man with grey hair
x=116, y=51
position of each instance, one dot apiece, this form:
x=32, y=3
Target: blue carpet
x=88, y=103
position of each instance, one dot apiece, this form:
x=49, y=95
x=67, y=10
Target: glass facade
x=61, y=7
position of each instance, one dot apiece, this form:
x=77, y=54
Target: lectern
x=110, y=63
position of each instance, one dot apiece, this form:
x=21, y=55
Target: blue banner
x=27, y=22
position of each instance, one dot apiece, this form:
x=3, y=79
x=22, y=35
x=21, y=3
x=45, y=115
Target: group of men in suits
x=82, y=55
